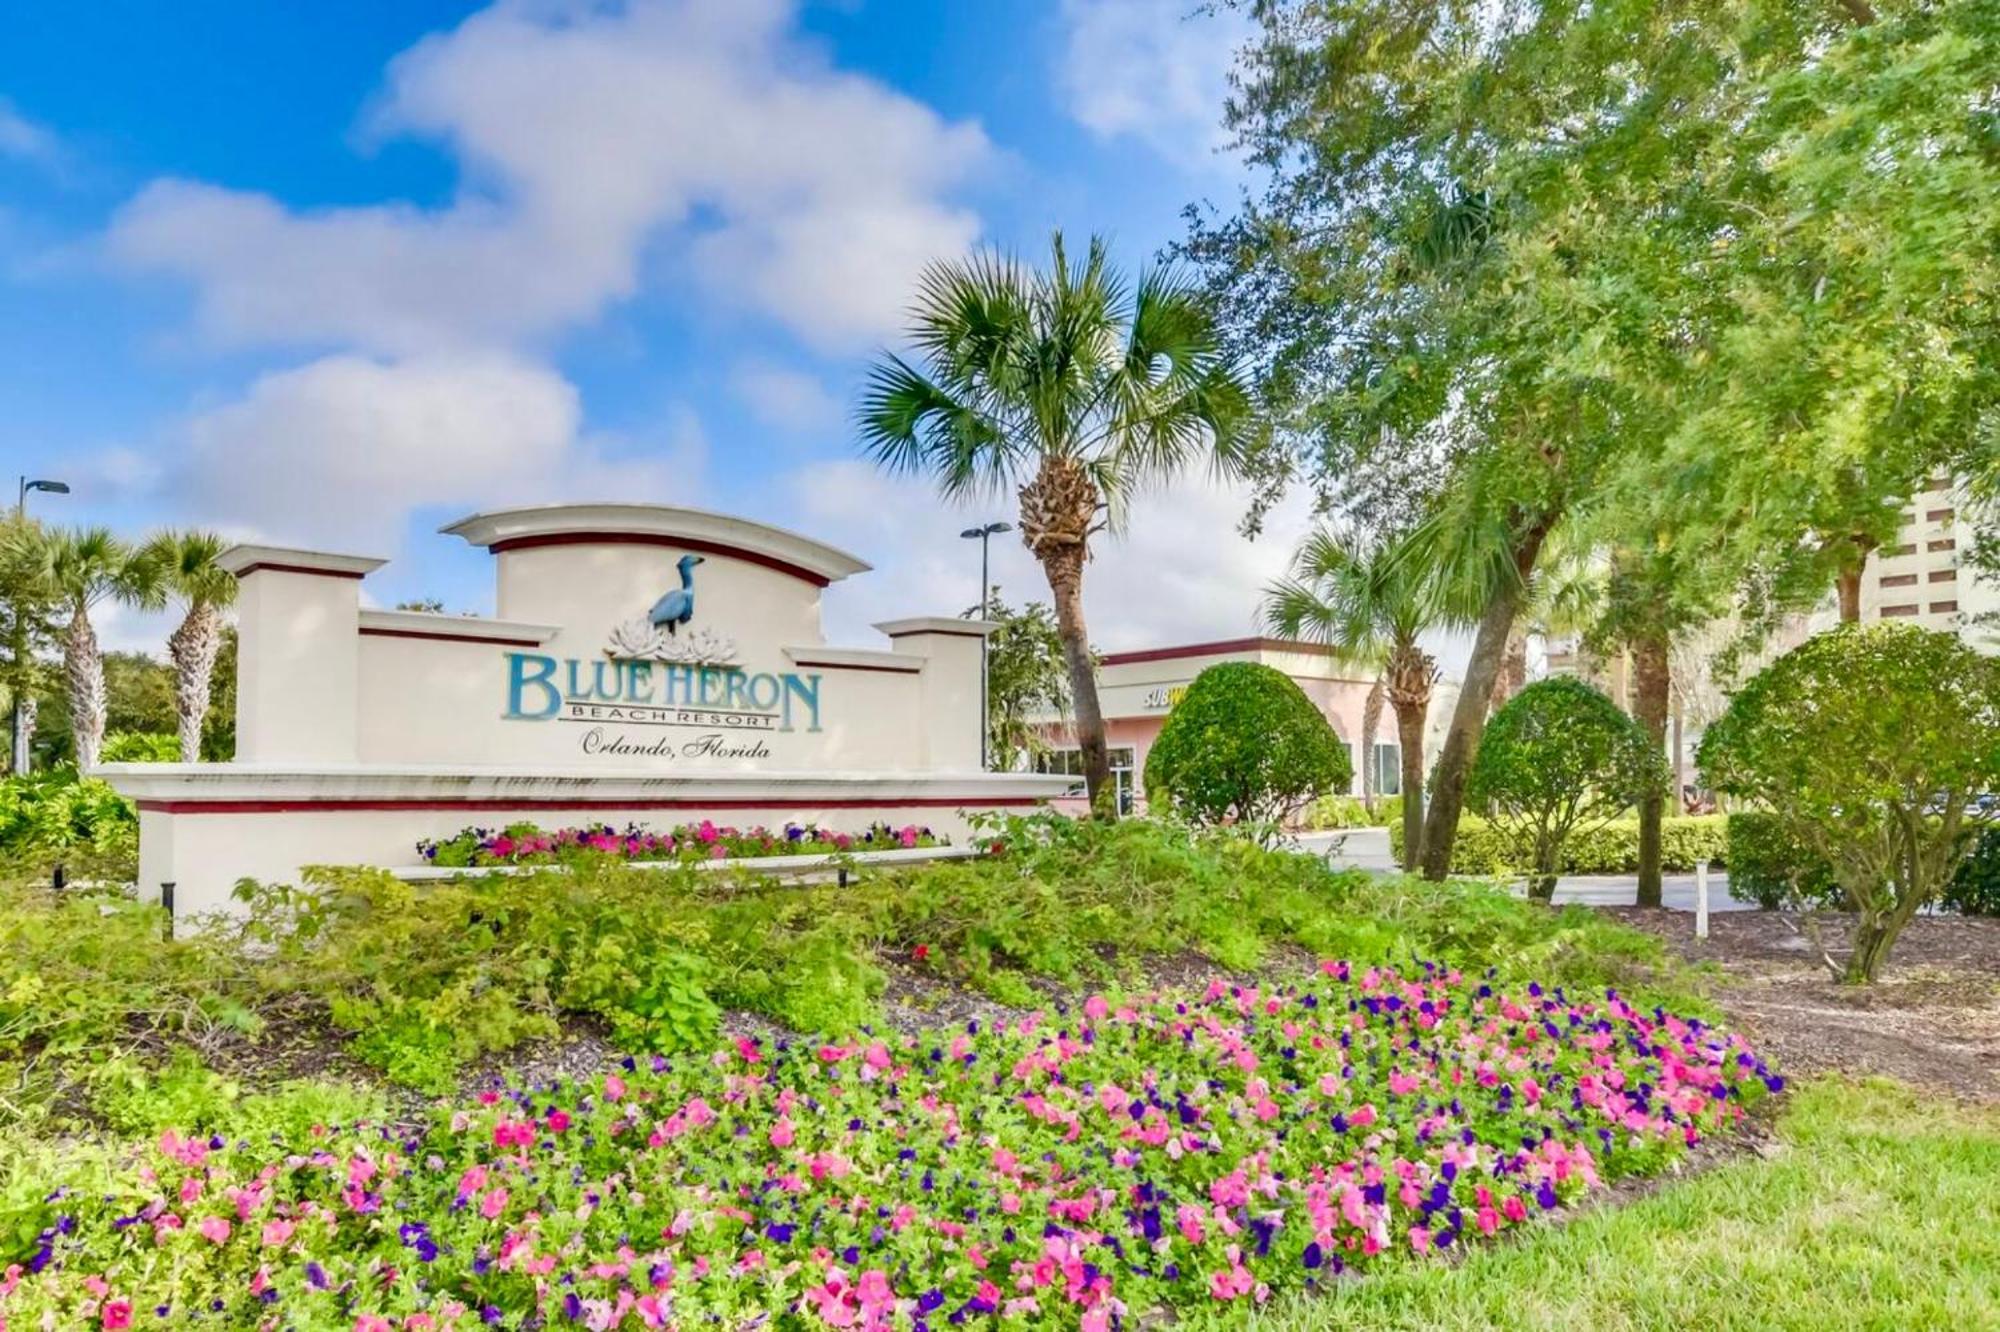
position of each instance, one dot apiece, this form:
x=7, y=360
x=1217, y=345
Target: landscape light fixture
x=984, y=536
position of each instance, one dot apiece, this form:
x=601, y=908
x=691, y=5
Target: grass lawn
x=1878, y=1209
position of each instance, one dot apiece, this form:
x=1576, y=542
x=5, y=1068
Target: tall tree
x=29, y=618
x=185, y=564
x=84, y=568
x=1027, y=678
x=1073, y=386
x=1507, y=250
x=1371, y=602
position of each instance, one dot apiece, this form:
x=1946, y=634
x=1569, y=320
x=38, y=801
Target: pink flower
x=558, y=1120
x=117, y=1313
x=781, y=1133
x=214, y=1229
x=614, y=1087
x=493, y=1204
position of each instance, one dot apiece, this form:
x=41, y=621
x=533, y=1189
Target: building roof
x=1223, y=647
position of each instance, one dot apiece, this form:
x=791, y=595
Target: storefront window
x=1069, y=762
x=1389, y=769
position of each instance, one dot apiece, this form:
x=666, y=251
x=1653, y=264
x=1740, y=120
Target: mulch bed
x=1932, y=1020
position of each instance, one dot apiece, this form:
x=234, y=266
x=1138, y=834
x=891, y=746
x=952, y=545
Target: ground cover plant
x=418, y=980
x=528, y=844
x=1194, y=1152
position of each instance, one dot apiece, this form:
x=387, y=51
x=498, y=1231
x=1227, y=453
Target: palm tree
x=1075, y=389
x=1370, y=602
x=189, y=574
x=84, y=567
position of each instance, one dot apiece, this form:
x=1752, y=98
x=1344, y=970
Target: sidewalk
x=1368, y=849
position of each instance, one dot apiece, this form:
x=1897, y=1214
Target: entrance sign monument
x=644, y=664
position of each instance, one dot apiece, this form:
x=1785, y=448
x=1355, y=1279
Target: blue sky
x=334, y=275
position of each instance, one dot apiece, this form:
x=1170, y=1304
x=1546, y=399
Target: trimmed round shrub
x=1876, y=748
x=1557, y=760
x=1244, y=744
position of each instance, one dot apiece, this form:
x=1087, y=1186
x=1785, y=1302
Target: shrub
x=1247, y=745
x=141, y=747
x=1974, y=889
x=1335, y=812
x=1559, y=758
x=1774, y=868
x=57, y=815
x=1608, y=848
x=1872, y=748
x=422, y=978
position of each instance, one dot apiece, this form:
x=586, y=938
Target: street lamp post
x=984, y=536
x=21, y=497
x=18, y=734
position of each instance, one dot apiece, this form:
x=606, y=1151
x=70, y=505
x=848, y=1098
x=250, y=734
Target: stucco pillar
x=954, y=663
x=298, y=653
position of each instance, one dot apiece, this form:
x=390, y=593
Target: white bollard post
x=1701, y=900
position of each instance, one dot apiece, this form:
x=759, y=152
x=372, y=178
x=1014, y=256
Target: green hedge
x=1329, y=813
x=1764, y=861
x=1612, y=848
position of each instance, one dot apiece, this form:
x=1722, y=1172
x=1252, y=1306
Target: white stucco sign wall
x=645, y=664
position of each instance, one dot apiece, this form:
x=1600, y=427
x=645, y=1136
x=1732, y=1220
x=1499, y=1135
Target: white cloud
x=591, y=137
x=783, y=398
x=340, y=450
x=1180, y=573
x=23, y=138
x=1157, y=70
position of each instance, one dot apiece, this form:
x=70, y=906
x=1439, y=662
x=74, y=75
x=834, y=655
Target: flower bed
x=1202, y=1150
x=526, y=844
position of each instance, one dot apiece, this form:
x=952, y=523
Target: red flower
x=921, y=952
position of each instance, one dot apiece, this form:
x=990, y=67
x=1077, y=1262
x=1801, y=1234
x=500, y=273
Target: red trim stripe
x=449, y=638
x=1213, y=649
x=336, y=806
x=306, y=569
x=857, y=666
x=651, y=539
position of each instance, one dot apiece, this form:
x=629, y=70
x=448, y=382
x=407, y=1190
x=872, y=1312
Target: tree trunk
x=1468, y=717
x=1065, y=574
x=85, y=670
x=192, y=648
x=1410, y=741
x=1652, y=685
x=1371, y=722
x=1513, y=677
x=1848, y=580
x=24, y=734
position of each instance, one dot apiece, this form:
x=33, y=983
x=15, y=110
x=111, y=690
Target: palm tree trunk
x=1371, y=721
x=1410, y=719
x=1064, y=568
x=1513, y=666
x=1652, y=685
x=192, y=649
x=24, y=737
x=1468, y=717
x=85, y=670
